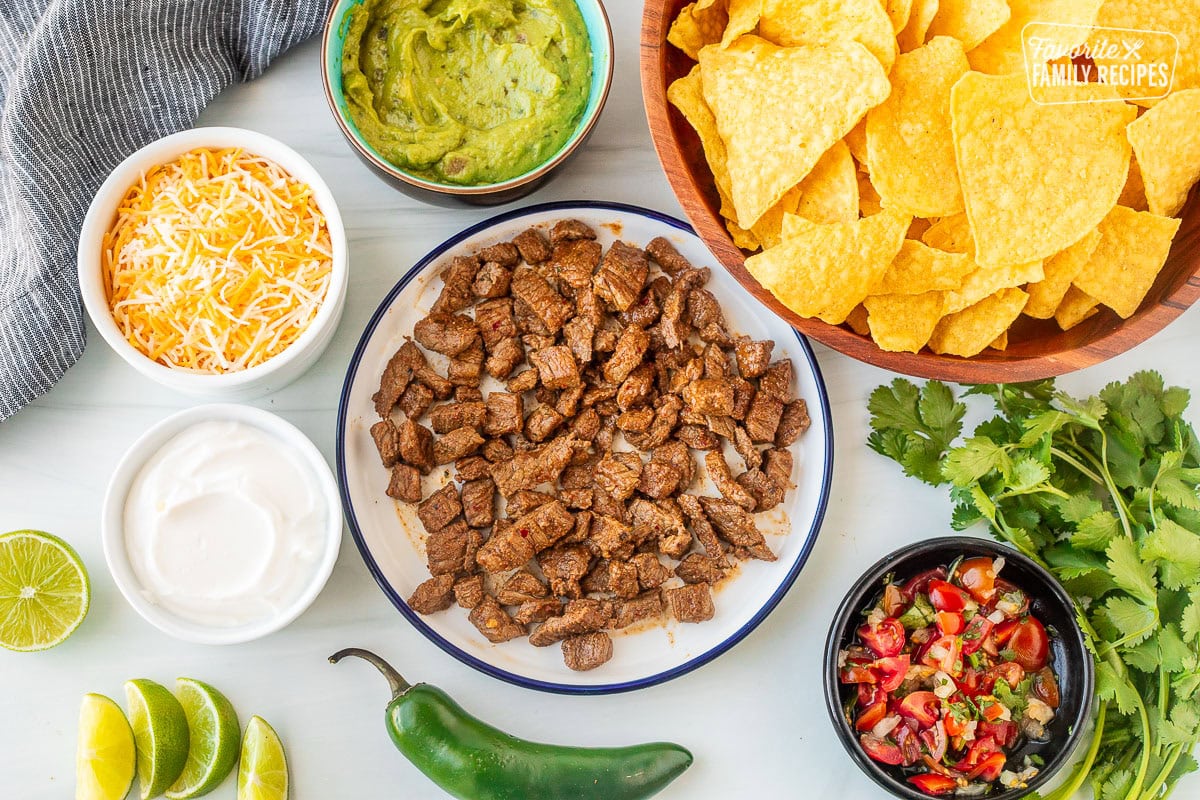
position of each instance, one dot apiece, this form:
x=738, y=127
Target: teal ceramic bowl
x=600, y=36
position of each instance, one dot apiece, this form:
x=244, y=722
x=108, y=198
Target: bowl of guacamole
x=466, y=100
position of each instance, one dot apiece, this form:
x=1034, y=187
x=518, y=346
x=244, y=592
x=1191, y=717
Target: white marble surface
x=753, y=718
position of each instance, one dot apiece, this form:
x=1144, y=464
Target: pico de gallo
x=953, y=673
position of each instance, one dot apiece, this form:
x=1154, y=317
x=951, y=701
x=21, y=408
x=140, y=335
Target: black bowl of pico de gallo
x=955, y=668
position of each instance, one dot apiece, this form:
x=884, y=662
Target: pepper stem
x=397, y=683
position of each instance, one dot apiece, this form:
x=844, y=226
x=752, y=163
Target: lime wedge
x=214, y=736
x=262, y=773
x=160, y=729
x=104, y=762
x=44, y=590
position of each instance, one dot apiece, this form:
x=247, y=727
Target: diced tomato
x=1003, y=632
x=893, y=600
x=1030, y=644
x=871, y=717
x=924, y=707
x=956, y=724
x=949, y=622
x=881, y=750
x=869, y=694
x=919, y=583
x=1045, y=686
x=980, y=749
x=1003, y=731
x=909, y=744
x=978, y=577
x=977, y=630
x=933, y=784
x=891, y=672
x=947, y=597
x=944, y=653
x=1010, y=671
x=988, y=769
x=935, y=740
x=885, y=639
x=857, y=674
x=992, y=708
x=968, y=683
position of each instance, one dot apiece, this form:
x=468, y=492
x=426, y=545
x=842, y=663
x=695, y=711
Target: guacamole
x=467, y=92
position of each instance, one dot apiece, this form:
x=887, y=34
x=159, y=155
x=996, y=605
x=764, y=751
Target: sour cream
x=224, y=525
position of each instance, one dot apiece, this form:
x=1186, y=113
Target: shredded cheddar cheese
x=217, y=261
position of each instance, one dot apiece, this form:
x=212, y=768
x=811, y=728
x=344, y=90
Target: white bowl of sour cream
x=221, y=524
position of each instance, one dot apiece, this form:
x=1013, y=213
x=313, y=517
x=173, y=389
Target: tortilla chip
x=829, y=193
x=969, y=331
x=686, y=95
x=743, y=18
x=767, y=230
x=898, y=12
x=917, y=229
x=1166, y=142
x=1179, y=17
x=697, y=26
x=1134, y=194
x=969, y=21
x=856, y=140
x=779, y=109
x=909, y=147
x=1047, y=295
x=903, y=323
x=858, y=321
x=1035, y=178
x=1076, y=306
x=986, y=281
x=815, y=22
x=1001, y=342
x=952, y=234
x=919, y=268
x=869, y=203
x=1133, y=248
x=825, y=271
x=1002, y=52
x=744, y=239
x=913, y=34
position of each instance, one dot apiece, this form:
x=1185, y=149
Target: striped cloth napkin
x=84, y=83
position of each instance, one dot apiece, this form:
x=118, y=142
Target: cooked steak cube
x=697, y=438
x=666, y=417
x=504, y=358
x=655, y=520
x=710, y=396
x=440, y=508
x=658, y=479
x=587, y=651
x=698, y=568
x=556, y=367
x=534, y=341
x=718, y=472
x=532, y=245
x=713, y=333
x=690, y=603
x=643, y=313
x=456, y=444
x=722, y=426
x=651, y=572
x=523, y=381
x=792, y=423
x=468, y=394
x=492, y=280
x=605, y=340
x=766, y=493
x=703, y=309
x=433, y=595
x=607, y=505
x=638, y=388
x=676, y=454
x=405, y=483
x=504, y=253
x=452, y=549
x=702, y=528
x=465, y=368
x=636, y=420
x=762, y=420
x=567, y=229
x=646, y=606
x=779, y=467
x=530, y=533
x=470, y=468
x=538, y=610
x=494, y=622
x=574, y=261
x=456, y=291
x=745, y=448
x=672, y=326
x=753, y=357
x=631, y=346
x=596, y=581
x=579, y=616
x=526, y=500
x=565, y=566
x=578, y=333
x=504, y=413
x=547, y=305
x=743, y=396
x=777, y=381
x=416, y=445
x=618, y=473
x=396, y=376
x=387, y=441
x=438, y=384
x=529, y=469
x=610, y=537
x=576, y=499
x=542, y=422
x=622, y=275
x=448, y=417
x=567, y=403
x=494, y=318
x=622, y=579
x=448, y=334
x=416, y=400
x=666, y=256
x=468, y=592
x=586, y=424
x=521, y=587
x=497, y=450
x=736, y=526
x=578, y=476
x=478, y=502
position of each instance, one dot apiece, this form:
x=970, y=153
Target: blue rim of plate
x=415, y=619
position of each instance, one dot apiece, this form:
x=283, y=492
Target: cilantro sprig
x=1103, y=492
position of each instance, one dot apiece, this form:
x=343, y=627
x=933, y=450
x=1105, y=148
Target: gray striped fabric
x=83, y=83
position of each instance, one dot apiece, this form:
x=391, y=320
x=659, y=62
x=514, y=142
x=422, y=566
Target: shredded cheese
x=217, y=261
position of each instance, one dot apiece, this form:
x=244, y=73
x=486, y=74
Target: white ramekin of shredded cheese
x=214, y=261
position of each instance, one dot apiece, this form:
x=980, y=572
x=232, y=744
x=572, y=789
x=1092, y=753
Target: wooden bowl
x=1037, y=348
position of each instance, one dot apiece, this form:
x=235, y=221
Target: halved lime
x=105, y=758
x=44, y=590
x=160, y=729
x=262, y=773
x=214, y=735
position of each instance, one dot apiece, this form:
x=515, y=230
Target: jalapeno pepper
x=472, y=760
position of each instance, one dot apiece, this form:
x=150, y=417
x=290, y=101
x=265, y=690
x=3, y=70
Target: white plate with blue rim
x=390, y=538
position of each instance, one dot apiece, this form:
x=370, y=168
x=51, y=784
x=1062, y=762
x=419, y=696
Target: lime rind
x=214, y=739
x=45, y=592
x=160, y=731
x=262, y=771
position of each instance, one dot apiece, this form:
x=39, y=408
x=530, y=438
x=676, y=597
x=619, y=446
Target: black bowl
x=1048, y=601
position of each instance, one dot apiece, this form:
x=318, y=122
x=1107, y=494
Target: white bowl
x=112, y=527
x=255, y=381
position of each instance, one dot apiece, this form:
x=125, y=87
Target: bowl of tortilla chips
x=970, y=190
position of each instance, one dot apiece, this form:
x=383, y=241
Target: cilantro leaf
x=1129, y=571
x=1097, y=531
x=1077, y=507
x=940, y=414
x=1173, y=654
x=976, y=457
x=1174, y=483
x=1069, y=562
x=895, y=406
x=1133, y=620
x=1111, y=687
x=1178, y=552
x=1190, y=622
x=1182, y=726
x=915, y=426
